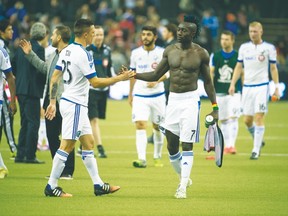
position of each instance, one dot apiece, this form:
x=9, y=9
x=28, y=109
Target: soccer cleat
x=56, y=192
x=233, y=150
x=3, y=173
x=189, y=183
x=139, y=163
x=226, y=150
x=254, y=156
x=180, y=193
x=104, y=189
x=101, y=152
x=158, y=162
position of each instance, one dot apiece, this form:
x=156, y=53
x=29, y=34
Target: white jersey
x=146, y=61
x=256, y=60
x=77, y=66
x=5, y=67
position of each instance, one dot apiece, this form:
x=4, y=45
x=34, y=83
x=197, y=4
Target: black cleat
x=56, y=192
x=101, y=152
x=104, y=189
x=254, y=156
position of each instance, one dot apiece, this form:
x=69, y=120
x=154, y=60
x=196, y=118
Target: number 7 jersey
x=77, y=66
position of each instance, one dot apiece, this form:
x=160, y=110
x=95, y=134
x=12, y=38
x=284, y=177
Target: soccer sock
x=251, y=130
x=57, y=168
x=158, y=143
x=91, y=165
x=2, y=162
x=258, y=137
x=141, y=144
x=175, y=161
x=187, y=163
x=233, y=129
x=225, y=130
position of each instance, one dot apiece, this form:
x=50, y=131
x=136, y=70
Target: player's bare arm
x=12, y=88
x=103, y=82
x=54, y=84
x=236, y=75
x=275, y=78
x=160, y=70
x=208, y=83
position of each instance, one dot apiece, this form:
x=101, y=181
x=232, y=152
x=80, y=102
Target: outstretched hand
x=25, y=46
x=124, y=70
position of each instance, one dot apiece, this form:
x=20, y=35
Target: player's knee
x=187, y=146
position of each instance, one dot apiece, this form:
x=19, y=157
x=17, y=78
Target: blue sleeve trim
x=91, y=75
x=7, y=70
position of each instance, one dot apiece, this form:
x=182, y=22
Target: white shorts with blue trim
x=182, y=116
x=149, y=107
x=255, y=99
x=75, y=121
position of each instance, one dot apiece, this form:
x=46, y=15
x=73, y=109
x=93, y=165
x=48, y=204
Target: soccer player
x=186, y=61
x=5, y=67
x=97, y=102
x=6, y=34
x=59, y=39
x=75, y=65
x=221, y=70
x=256, y=56
x=147, y=98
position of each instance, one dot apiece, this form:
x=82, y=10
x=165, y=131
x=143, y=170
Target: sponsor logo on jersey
x=154, y=65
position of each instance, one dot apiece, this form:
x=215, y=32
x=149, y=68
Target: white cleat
x=180, y=193
x=189, y=183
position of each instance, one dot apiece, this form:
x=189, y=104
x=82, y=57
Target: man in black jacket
x=29, y=89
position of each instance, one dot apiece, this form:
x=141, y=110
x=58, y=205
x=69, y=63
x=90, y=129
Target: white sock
x=234, y=127
x=91, y=165
x=2, y=162
x=141, y=144
x=258, y=138
x=187, y=163
x=57, y=167
x=251, y=130
x=158, y=143
x=226, y=133
x=175, y=161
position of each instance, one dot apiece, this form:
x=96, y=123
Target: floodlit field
x=240, y=187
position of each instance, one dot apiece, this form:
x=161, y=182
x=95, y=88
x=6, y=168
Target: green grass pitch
x=240, y=187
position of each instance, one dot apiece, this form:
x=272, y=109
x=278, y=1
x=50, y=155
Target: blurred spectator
x=210, y=22
x=18, y=10
x=231, y=23
x=56, y=9
x=103, y=13
x=85, y=13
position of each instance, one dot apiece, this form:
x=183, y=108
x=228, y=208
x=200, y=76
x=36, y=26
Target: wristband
x=215, y=107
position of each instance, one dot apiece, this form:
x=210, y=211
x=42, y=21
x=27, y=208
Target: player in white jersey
x=256, y=57
x=147, y=98
x=5, y=67
x=76, y=66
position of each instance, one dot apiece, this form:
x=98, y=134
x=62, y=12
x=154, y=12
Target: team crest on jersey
x=261, y=58
x=91, y=65
x=154, y=65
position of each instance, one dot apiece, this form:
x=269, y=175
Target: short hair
x=153, y=29
x=255, y=23
x=81, y=26
x=4, y=24
x=98, y=27
x=64, y=32
x=38, y=31
x=172, y=28
x=194, y=20
x=227, y=32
